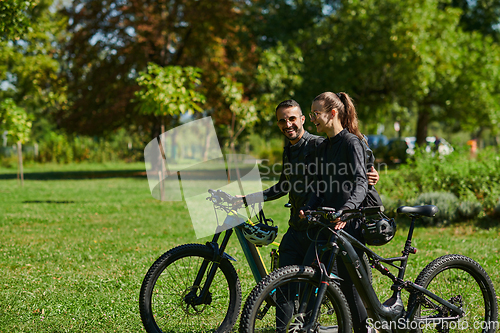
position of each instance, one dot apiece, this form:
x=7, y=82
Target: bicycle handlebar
x=345, y=215
x=219, y=196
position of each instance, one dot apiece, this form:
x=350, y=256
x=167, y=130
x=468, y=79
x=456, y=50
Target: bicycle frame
x=251, y=252
x=392, y=310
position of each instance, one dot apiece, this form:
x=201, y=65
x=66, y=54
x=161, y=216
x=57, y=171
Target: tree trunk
x=20, y=161
x=422, y=126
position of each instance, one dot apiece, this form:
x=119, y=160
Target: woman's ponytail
x=346, y=110
x=348, y=116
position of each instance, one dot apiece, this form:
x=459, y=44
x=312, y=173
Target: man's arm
x=274, y=192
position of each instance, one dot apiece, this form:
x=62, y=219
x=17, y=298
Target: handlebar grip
x=373, y=210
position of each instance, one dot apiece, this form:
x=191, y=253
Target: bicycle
x=450, y=292
x=195, y=285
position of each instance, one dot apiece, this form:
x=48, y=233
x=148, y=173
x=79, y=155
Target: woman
x=341, y=180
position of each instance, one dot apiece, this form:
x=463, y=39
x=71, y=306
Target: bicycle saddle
x=428, y=210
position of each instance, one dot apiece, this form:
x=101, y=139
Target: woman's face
x=319, y=117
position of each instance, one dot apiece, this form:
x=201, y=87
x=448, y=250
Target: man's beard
x=293, y=134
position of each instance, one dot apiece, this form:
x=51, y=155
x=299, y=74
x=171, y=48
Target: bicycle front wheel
x=275, y=304
x=462, y=282
x=169, y=299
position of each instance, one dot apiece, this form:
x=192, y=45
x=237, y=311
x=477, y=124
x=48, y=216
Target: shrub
x=391, y=205
x=446, y=202
x=474, y=181
x=469, y=209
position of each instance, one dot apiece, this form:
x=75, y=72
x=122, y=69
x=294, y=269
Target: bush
x=271, y=151
x=391, y=205
x=475, y=182
x=446, y=202
x=469, y=209
x=62, y=148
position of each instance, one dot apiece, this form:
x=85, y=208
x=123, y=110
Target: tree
x=14, y=18
x=168, y=91
x=243, y=112
x=112, y=41
x=482, y=16
x=408, y=55
x=29, y=66
x=15, y=121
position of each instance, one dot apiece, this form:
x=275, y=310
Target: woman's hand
x=339, y=224
x=373, y=176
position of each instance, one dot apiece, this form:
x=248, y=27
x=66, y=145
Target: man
x=294, y=180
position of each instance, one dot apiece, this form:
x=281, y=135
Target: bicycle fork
x=205, y=297
x=325, y=280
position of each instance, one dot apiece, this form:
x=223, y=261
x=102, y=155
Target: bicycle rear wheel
x=167, y=294
x=462, y=282
x=273, y=305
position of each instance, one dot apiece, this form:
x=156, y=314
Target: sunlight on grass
x=73, y=253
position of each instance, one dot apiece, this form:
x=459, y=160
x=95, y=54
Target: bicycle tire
x=162, y=297
x=333, y=312
x=463, y=282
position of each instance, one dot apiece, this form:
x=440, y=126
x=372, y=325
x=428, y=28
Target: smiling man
x=298, y=154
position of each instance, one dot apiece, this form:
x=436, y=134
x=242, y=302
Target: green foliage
x=458, y=173
x=469, y=209
x=399, y=59
x=170, y=90
x=473, y=181
x=61, y=148
x=14, y=20
x=112, y=41
x=446, y=202
x=30, y=65
x=243, y=113
x=278, y=77
x=15, y=121
x=270, y=151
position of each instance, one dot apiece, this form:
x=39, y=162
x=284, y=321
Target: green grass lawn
x=73, y=253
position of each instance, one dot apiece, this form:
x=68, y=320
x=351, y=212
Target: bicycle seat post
x=408, y=248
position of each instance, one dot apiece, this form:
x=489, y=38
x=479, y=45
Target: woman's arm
x=357, y=164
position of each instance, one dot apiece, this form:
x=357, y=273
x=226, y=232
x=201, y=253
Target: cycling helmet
x=259, y=234
x=378, y=230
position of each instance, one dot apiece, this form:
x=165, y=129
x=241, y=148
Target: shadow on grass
x=200, y=174
x=59, y=175
x=50, y=201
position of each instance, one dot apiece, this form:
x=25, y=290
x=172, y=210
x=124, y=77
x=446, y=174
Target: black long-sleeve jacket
x=295, y=178
x=340, y=173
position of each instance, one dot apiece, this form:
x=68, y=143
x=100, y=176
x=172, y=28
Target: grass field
x=73, y=253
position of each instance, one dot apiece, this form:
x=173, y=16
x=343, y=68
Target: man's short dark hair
x=289, y=103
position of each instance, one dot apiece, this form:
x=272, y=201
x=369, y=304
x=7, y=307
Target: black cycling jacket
x=340, y=173
x=294, y=178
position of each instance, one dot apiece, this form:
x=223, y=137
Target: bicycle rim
x=170, y=292
x=462, y=282
x=280, y=306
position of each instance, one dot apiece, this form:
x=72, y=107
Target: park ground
x=74, y=250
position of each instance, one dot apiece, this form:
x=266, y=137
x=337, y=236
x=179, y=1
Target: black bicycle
x=194, y=287
x=452, y=293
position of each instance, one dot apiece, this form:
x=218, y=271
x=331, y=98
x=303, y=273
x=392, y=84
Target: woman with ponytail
x=341, y=180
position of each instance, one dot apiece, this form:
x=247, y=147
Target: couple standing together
x=338, y=162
